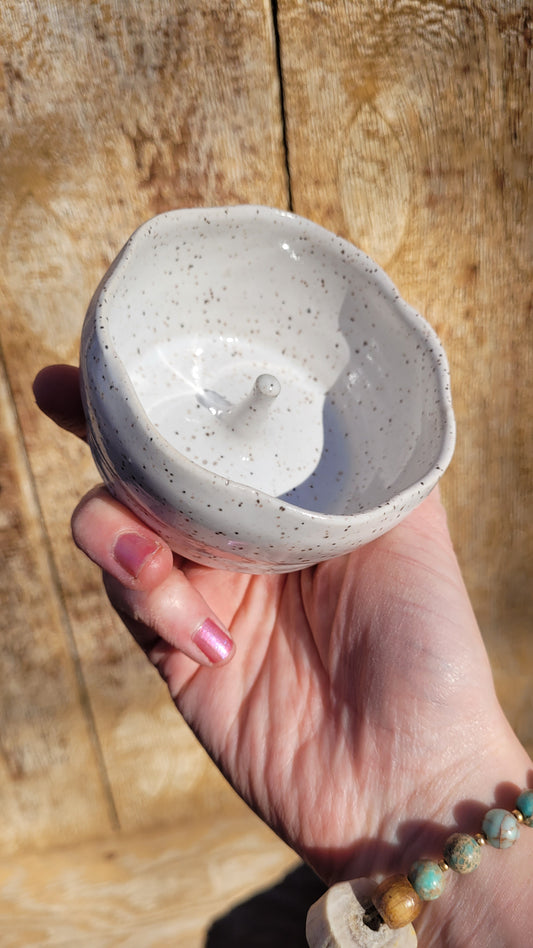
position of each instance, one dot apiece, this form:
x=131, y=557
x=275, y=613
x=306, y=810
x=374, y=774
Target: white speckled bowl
x=197, y=306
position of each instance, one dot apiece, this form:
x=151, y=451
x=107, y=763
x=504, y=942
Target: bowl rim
x=101, y=328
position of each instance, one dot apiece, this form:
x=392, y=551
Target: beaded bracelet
x=352, y=913
x=399, y=899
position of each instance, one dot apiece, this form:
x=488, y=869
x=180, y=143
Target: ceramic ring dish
x=257, y=392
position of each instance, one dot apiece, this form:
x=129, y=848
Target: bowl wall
x=201, y=302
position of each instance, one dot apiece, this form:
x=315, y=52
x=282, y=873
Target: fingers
x=155, y=599
x=176, y=616
x=153, y=596
x=119, y=542
x=57, y=393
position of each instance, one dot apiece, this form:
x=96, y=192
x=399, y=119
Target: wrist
x=491, y=905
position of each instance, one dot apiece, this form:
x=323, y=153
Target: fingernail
x=132, y=551
x=213, y=641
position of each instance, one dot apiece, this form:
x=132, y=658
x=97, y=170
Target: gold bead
x=518, y=815
x=443, y=865
x=396, y=901
x=480, y=839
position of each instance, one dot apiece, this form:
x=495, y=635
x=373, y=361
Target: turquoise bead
x=427, y=879
x=525, y=805
x=462, y=853
x=501, y=828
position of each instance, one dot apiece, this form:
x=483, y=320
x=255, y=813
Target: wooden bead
x=396, y=901
x=339, y=919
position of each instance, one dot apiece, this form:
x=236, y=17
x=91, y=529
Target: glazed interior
x=198, y=313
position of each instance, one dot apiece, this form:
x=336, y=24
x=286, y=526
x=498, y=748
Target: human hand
x=358, y=709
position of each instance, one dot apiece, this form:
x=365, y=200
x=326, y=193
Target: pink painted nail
x=132, y=551
x=213, y=641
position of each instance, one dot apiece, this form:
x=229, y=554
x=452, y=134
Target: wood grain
x=142, y=891
x=108, y=117
x=50, y=777
x=410, y=131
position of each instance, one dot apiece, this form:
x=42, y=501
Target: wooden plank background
x=406, y=127
x=410, y=131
